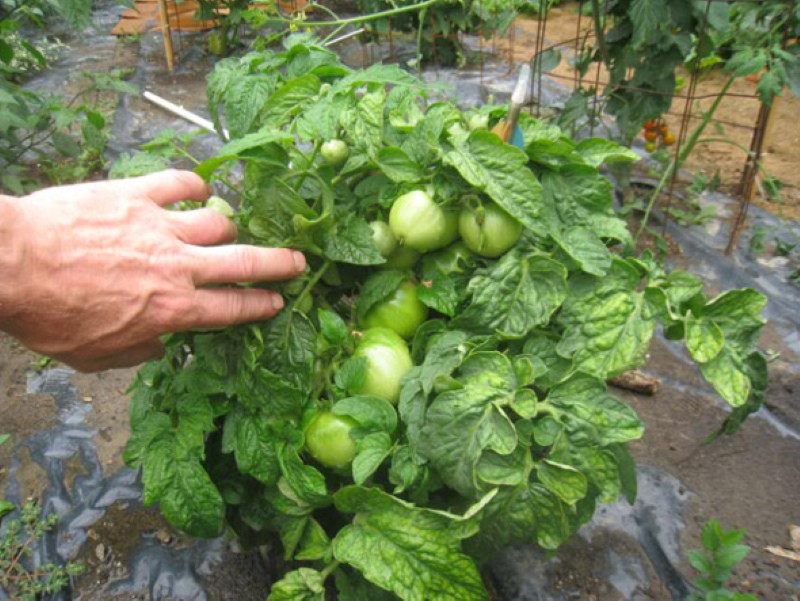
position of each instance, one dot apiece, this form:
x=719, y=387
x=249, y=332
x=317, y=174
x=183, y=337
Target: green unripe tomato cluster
x=402, y=312
x=328, y=439
x=421, y=225
x=335, y=152
x=388, y=360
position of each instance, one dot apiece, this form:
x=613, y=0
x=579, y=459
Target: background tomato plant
x=504, y=431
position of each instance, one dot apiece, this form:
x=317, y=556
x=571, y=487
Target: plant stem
x=422, y=15
x=185, y=153
x=329, y=569
x=364, y=18
x=311, y=283
x=681, y=157
x=599, y=31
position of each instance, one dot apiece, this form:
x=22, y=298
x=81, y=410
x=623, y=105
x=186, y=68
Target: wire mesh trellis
x=533, y=47
x=686, y=106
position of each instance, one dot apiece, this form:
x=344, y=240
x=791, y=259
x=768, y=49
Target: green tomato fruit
x=402, y=312
x=451, y=231
x=419, y=223
x=488, y=231
x=328, y=439
x=402, y=259
x=221, y=206
x=478, y=122
x=383, y=238
x=335, y=152
x=388, y=360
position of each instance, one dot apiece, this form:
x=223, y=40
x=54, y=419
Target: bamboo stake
x=166, y=33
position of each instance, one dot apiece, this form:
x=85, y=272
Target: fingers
x=170, y=186
x=203, y=227
x=241, y=263
x=145, y=351
x=222, y=307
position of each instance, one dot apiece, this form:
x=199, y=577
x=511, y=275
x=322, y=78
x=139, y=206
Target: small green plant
x=695, y=213
x=721, y=553
x=17, y=579
x=61, y=138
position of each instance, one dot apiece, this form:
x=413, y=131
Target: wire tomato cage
x=574, y=58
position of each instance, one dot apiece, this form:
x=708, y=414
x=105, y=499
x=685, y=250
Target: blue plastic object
x=516, y=138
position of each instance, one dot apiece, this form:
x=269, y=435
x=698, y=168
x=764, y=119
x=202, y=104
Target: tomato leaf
x=587, y=408
x=501, y=171
x=244, y=100
x=307, y=483
x=397, y=165
x=186, y=495
x=377, y=289
x=424, y=553
x=515, y=295
x=332, y=327
x=704, y=338
x=302, y=584
x=596, y=151
x=586, y=249
x=607, y=331
x=371, y=413
x=249, y=438
x=373, y=449
x=351, y=242
x=564, y=481
x=459, y=426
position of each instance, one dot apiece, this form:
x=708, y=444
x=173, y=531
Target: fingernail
x=277, y=302
x=299, y=261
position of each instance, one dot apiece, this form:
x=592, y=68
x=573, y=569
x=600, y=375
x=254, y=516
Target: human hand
x=92, y=274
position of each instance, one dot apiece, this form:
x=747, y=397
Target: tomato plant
x=492, y=425
x=647, y=42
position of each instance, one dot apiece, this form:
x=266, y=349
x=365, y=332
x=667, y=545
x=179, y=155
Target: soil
x=749, y=480
x=736, y=115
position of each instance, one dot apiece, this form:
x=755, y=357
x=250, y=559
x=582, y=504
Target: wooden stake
x=166, y=32
x=771, y=119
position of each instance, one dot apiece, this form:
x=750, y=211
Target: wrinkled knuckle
x=248, y=261
x=234, y=306
x=167, y=311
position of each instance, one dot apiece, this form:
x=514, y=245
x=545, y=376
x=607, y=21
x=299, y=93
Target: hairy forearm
x=92, y=274
x=11, y=259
